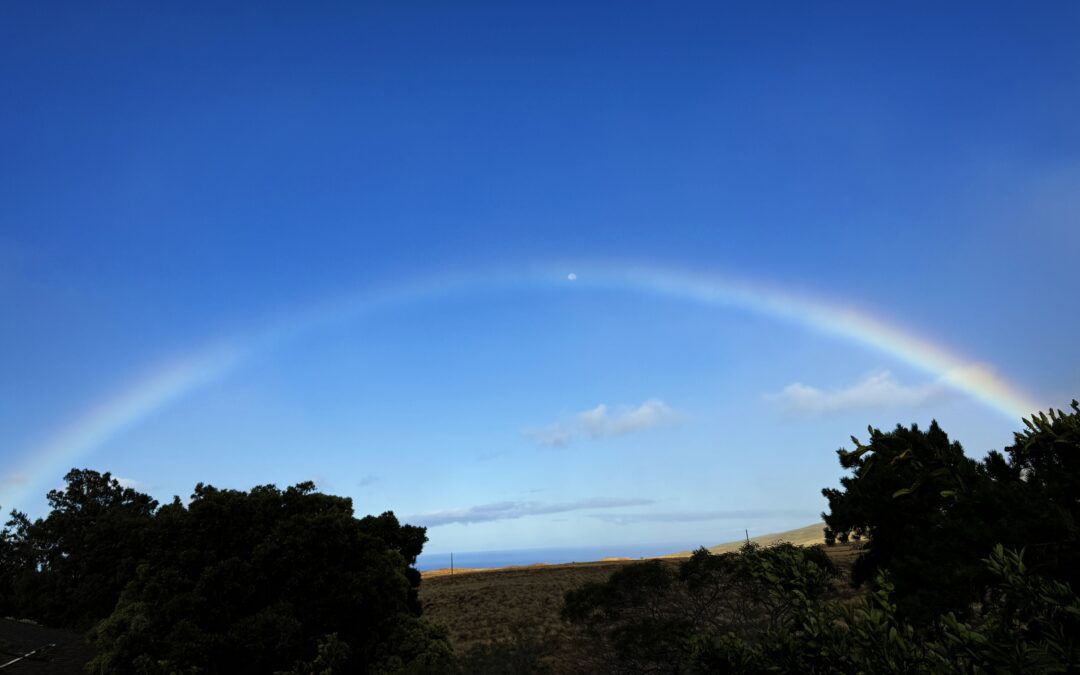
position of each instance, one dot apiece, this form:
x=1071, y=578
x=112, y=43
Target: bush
x=525, y=653
x=1028, y=624
x=652, y=616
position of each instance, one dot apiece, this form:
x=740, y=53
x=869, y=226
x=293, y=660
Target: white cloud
x=131, y=483
x=878, y=389
x=604, y=422
x=513, y=509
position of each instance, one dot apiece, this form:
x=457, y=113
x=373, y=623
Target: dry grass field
x=479, y=607
x=486, y=606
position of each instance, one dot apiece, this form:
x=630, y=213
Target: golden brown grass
x=803, y=536
x=492, y=605
x=484, y=606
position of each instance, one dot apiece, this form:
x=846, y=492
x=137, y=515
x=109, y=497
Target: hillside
x=497, y=603
x=803, y=536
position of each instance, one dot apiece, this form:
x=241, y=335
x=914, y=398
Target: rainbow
x=177, y=378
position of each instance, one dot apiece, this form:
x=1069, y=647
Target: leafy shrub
x=524, y=653
x=649, y=616
x=1028, y=624
x=931, y=513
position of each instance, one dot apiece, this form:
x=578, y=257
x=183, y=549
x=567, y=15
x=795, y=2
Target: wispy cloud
x=511, y=510
x=604, y=422
x=741, y=515
x=878, y=389
x=13, y=481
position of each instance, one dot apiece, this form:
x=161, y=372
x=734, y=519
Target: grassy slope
x=804, y=536
x=479, y=608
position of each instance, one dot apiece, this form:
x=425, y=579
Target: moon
x=571, y=276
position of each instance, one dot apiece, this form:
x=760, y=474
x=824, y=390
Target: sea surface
x=533, y=556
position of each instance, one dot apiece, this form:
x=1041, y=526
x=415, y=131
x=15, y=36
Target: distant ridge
x=804, y=536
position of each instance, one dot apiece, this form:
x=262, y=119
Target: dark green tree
x=1042, y=470
x=68, y=569
x=15, y=557
x=902, y=493
x=239, y=582
x=830, y=537
x=254, y=582
x=932, y=514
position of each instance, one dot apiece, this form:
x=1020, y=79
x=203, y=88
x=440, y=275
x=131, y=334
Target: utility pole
x=451, y=563
x=747, y=535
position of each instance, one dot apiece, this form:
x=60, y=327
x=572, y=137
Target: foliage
x=414, y=647
x=239, y=582
x=67, y=570
x=899, y=492
x=1043, y=468
x=936, y=605
x=330, y=659
x=246, y=582
x=1028, y=623
x=649, y=616
x=931, y=513
x=524, y=653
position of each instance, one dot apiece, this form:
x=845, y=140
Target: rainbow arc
x=177, y=378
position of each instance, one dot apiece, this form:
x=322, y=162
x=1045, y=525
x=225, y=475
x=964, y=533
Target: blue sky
x=172, y=179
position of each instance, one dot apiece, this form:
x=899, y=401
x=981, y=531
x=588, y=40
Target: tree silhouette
x=254, y=582
x=68, y=569
x=932, y=514
x=260, y=581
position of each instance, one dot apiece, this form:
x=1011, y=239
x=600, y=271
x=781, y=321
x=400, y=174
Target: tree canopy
x=256, y=581
x=932, y=513
x=67, y=569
